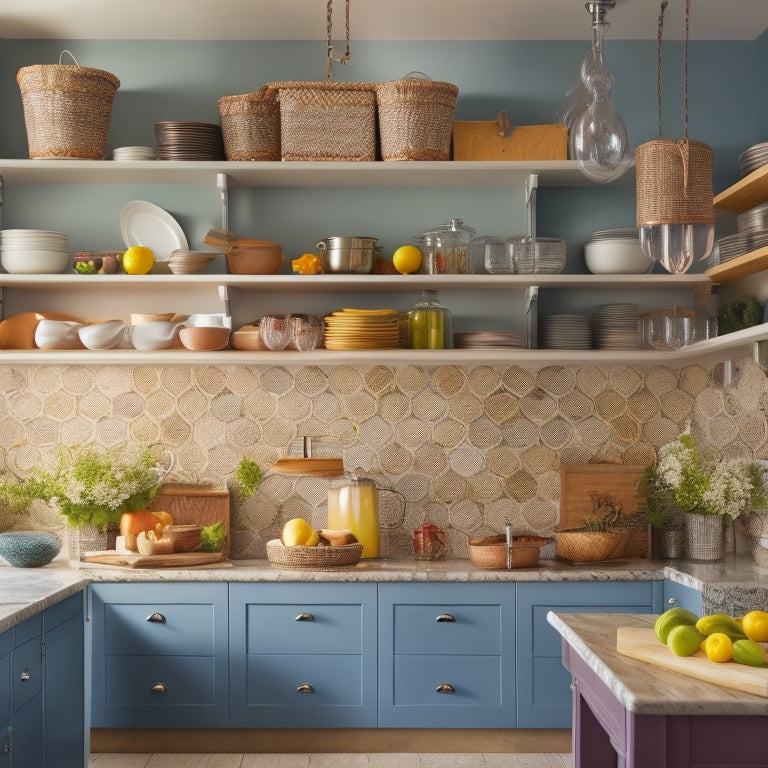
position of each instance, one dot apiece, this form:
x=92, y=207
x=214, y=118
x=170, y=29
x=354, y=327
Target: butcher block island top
x=639, y=686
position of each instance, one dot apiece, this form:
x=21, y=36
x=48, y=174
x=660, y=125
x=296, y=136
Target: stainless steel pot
x=347, y=255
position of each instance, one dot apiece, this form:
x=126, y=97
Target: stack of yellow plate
x=362, y=329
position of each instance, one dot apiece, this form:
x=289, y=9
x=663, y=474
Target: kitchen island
x=635, y=715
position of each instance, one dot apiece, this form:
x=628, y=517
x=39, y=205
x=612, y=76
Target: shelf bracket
x=531, y=185
x=531, y=317
x=224, y=296
x=222, y=184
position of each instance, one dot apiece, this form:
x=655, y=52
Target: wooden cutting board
x=641, y=643
x=176, y=560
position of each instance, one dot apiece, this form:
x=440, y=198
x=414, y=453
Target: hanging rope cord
x=664, y=4
x=344, y=58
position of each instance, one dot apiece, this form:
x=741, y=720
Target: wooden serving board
x=578, y=484
x=641, y=643
x=176, y=560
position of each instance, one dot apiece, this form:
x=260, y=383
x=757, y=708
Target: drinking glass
x=306, y=332
x=275, y=330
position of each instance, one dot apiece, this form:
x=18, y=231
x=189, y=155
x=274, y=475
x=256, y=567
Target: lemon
x=407, y=259
x=299, y=533
x=138, y=260
x=718, y=647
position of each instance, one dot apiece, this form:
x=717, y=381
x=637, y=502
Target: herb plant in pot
x=91, y=487
x=707, y=489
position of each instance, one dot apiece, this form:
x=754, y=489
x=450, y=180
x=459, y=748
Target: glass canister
x=353, y=504
x=455, y=238
x=429, y=324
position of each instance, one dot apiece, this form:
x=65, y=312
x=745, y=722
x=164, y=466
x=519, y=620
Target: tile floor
x=346, y=760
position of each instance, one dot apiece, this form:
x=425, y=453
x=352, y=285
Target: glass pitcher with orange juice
x=353, y=504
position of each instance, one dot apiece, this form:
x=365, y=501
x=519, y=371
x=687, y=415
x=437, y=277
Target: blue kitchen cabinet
x=65, y=742
x=543, y=684
x=303, y=655
x=159, y=655
x=681, y=596
x=446, y=655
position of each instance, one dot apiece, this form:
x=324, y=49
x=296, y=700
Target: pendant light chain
x=343, y=59
x=664, y=4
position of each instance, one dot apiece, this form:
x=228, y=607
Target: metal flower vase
x=88, y=538
x=704, y=537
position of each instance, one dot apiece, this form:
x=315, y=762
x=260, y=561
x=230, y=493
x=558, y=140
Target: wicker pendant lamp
x=675, y=214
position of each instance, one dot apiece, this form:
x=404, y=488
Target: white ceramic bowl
x=619, y=256
x=102, y=335
x=34, y=261
x=157, y=334
x=57, y=334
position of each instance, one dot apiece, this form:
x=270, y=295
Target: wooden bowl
x=491, y=551
x=185, y=538
x=204, y=338
x=578, y=546
x=258, y=258
x=248, y=337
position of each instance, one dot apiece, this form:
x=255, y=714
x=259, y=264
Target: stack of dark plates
x=753, y=158
x=567, y=331
x=488, y=340
x=183, y=140
x=615, y=326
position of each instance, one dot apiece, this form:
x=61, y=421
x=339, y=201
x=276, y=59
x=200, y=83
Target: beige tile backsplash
x=473, y=446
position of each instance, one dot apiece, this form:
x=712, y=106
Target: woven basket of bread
x=416, y=118
x=312, y=558
x=67, y=109
x=327, y=121
x=250, y=125
x=589, y=546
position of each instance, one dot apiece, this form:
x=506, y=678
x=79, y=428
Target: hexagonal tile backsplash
x=471, y=447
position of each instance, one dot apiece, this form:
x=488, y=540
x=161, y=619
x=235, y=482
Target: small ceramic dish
x=105, y=335
x=248, y=337
x=58, y=334
x=204, y=338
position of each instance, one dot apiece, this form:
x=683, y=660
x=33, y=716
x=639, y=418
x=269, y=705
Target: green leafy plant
x=89, y=485
x=248, y=476
x=695, y=481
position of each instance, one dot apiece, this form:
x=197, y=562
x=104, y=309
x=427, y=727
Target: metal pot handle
x=322, y=246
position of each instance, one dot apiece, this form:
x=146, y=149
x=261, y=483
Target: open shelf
x=746, y=193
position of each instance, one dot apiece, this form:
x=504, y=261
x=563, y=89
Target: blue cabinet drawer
x=294, y=680
x=303, y=627
x=448, y=681
x=26, y=672
x=448, y=628
x=152, y=681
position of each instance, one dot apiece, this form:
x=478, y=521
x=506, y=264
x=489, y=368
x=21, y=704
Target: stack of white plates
x=567, y=331
x=183, y=140
x=753, y=158
x=363, y=329
x=487, y=340
x=616, y=251
x=753, y=220
x=615, y=326
x=34, y=251
x=133, y=153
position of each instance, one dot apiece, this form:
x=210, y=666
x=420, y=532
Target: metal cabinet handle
x=305, y=617
x=305, y=688
x=156, y=617
x=24, y=676
x=445, y=617
x=671, y=600
x=445, y=688
x=159, y=688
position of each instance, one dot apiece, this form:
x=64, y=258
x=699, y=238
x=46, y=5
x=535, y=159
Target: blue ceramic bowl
x=29, y=549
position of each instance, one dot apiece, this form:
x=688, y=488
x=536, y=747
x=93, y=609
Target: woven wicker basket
x=416, y=118
x=312, y=558
x=250, y=125
x=491, y=551
x=67, y=109
x=327, y=121
x=587, y=546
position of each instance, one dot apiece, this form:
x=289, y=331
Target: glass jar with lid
x=446, y=248
x=429, y=324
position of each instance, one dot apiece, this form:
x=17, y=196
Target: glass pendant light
x=675, y=213
x=599, y=136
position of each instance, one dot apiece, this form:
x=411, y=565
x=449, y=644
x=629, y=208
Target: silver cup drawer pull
x=156, y=618
x=305, y=617
x=445, y=617
x=25, y=676
x=159, y=688
x=445, y=688
x=305, y=688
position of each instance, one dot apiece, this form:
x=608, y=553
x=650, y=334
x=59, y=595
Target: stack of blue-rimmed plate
x=615, y=326
x=753, y=158
x=567, y=331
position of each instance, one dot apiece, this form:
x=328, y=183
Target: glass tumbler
x=306, y=332
x=275, y=330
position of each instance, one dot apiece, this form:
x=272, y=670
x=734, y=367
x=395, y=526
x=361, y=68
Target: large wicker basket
x=416, y=118
x=67, y=109
x=578, y=546
x=327, y=121
x=250, y=125
x=312, y=558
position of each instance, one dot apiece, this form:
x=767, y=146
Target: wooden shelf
x=737, y=269
x=745, y=193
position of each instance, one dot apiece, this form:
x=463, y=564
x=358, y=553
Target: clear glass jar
x=429, y=324
x=455, y=238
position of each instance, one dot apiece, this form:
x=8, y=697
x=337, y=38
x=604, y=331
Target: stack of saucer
x=133, y=153
x=615, y=326
x=184, y=140
x=753, y=158
x=362, y=329
x=567, y=331
x=488, y=340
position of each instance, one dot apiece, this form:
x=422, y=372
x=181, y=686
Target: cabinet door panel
x=681, y=596
x=28, y=735
x=27, y=672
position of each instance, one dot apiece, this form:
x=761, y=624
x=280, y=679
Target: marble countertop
x=25, y=591
x=641, y=687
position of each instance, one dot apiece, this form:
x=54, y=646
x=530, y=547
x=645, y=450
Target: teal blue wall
x=529, y=79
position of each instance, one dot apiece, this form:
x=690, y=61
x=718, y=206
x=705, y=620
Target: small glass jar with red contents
x=429, y=541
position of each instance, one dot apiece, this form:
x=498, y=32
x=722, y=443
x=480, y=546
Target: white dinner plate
x=143, y=223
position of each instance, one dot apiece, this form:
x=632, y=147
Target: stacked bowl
x=34, y=251
x=616, y=251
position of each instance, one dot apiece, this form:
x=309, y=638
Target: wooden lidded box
x=498, y=140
